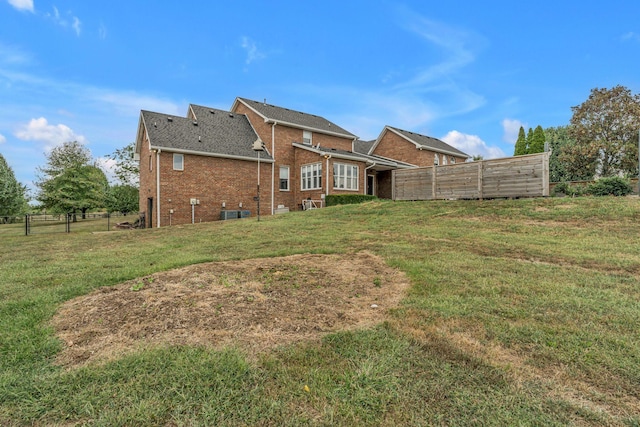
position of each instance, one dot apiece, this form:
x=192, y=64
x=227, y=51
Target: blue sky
x=470, y=73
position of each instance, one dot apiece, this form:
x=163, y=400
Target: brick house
x=202, y=166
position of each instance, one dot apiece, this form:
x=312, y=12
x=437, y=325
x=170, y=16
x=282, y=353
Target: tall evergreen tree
x=521, y=143
x=537, y=141
x=529, y=140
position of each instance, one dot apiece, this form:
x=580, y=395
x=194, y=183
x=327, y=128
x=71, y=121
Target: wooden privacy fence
x=520, y=176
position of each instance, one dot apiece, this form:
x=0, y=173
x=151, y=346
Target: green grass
x=521, y=312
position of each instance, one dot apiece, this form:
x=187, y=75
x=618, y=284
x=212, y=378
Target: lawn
x=519, y=312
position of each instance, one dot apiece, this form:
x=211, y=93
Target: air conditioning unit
x=229, y=214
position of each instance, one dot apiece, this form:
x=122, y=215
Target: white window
x=178, y=162
x=311, y=176
x=284, y=178
x=345, y=177
x=452, y=160
x=436, y=159
x=444, y=159
x=307, y=137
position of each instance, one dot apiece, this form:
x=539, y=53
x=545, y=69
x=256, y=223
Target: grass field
x=520, y=312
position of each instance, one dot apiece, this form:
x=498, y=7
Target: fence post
x=26, y=225
x=108, y=221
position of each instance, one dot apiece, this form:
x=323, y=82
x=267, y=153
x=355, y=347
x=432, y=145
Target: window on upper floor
x=307, y=137
x=178, y=162
x=345, y=177
x=452, y=160
x=311, y=176
x=436, y=159
x=284, y=178
x=444, y=159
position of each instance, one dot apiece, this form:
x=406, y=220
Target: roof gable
x=298, y=119
x=421, y=142
x=207, y=131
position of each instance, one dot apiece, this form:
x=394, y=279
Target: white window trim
x=314, y=180
x=436, y=159
x=288, y=178
x=307, y=135
x=444, y=159
x=452, y=160
x=175, y=156
x=337, y=177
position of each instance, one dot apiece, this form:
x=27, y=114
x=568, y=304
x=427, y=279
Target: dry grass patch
x=256, y=304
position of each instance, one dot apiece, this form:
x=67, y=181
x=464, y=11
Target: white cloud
x=511, y=128
x=22, y=4
x=76, y=25
x=52, y=135
x=102, y=31
x=250, y=47
x=472, y=145
x=10, y=55
x=630, y=36
x=108, y=166
x=2, y=139
x=60, y=20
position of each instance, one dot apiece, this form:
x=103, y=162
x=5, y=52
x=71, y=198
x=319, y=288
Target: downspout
x=273, y=165
x=158, y=186
x=366, y=180
x=327, y=184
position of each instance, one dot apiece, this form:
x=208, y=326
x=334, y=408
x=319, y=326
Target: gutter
x=273, y=166
x=327, y=157
x=158, y=151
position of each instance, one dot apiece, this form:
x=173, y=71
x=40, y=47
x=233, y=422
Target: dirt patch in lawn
x=256, y=304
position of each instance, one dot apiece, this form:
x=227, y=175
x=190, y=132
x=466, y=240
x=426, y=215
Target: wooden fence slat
x=521, y=176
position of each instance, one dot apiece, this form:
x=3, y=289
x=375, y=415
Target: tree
x=521, y=143
x=13, y=199
x=557, y=137
x=122, y=198
x=537, y=141
x=604, y=129
x=478, y=157
x=127, y=169
x=69, y=183
x=529, y=140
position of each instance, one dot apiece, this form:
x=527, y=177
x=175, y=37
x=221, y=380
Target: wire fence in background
x=69, y=223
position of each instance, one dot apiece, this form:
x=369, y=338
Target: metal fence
x=67, y=223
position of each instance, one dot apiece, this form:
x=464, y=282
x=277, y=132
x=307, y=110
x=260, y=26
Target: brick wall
x=285, y=155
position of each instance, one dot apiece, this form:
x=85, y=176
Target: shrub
x=348, y=199
x=611, y=186
x=564, y=188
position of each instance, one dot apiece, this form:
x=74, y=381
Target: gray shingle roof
x=215, y=132
x=296, y=118
x=429, y=142
x=363, y=147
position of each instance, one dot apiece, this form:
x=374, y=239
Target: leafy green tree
x=521, y=143
x=558, y=137
x=13, y=200
x=122, y=198
x=127, y=169
x=477, y=157
x=537, y=141
x=604, y=130
x=69, y=183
